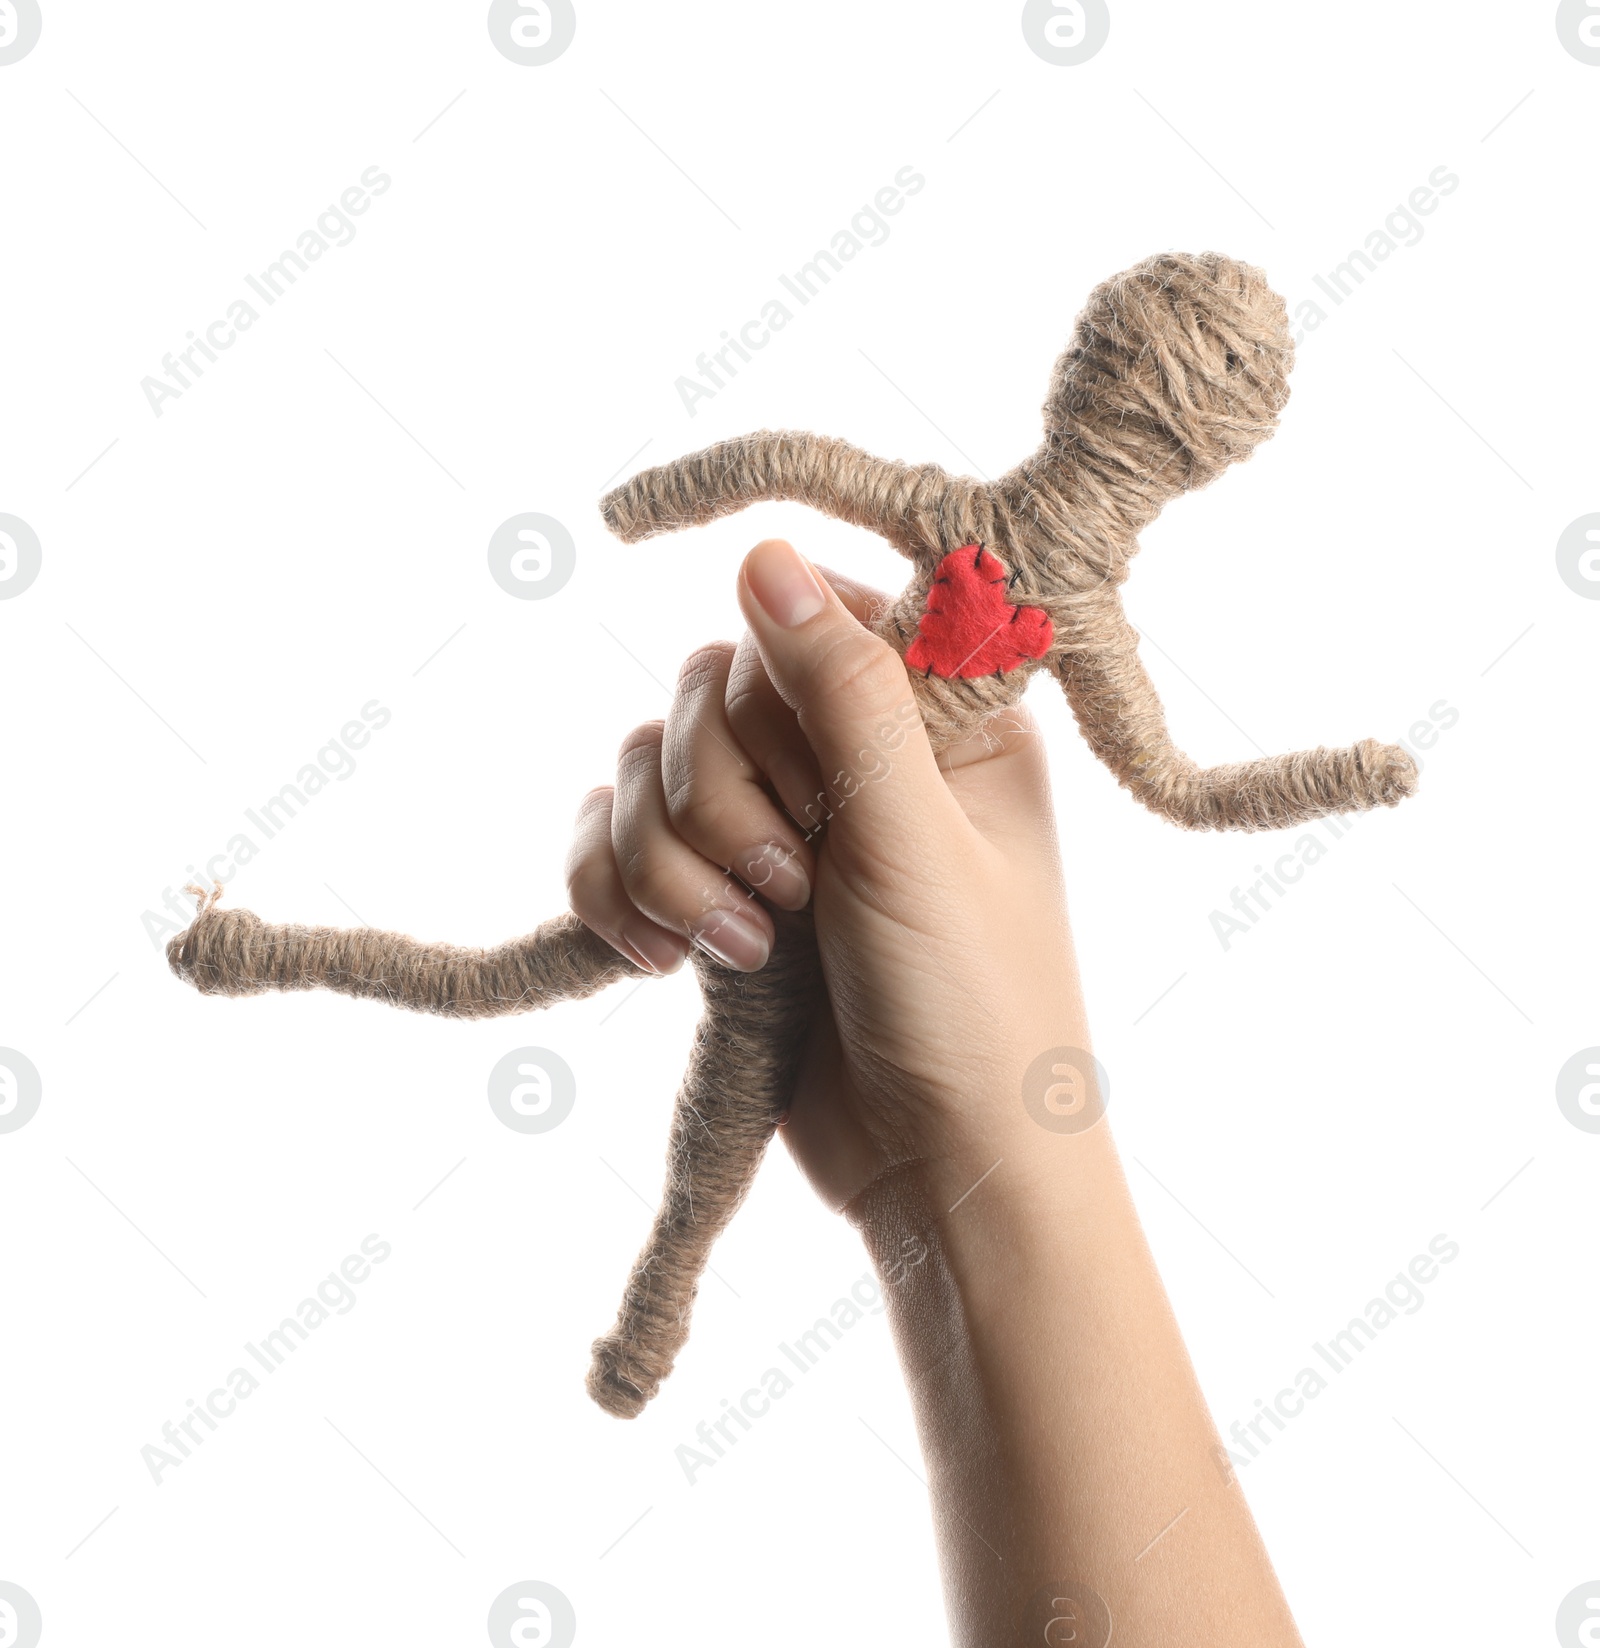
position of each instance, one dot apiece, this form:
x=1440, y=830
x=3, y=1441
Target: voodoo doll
x=1176, y=369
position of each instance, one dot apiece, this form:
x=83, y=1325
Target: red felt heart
x=968, y=627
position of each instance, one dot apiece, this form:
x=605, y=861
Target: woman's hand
x=1076, y=1480
x=794, y=769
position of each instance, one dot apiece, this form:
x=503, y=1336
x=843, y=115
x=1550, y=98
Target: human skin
x=1067, y=1443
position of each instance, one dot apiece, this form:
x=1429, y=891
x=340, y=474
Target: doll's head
x=1177, y=368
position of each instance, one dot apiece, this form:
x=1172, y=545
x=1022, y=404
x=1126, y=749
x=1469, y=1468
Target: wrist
x=1008, y=1126
x=998, y=1211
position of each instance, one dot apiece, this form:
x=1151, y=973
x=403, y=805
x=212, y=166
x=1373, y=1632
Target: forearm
x=1066, y=1439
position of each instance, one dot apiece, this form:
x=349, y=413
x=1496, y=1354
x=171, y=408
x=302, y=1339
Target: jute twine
x=740, y=1074
x=1177, y=369
x=235, y=953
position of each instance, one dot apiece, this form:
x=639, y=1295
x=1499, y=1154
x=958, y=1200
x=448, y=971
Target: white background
x=230, y=582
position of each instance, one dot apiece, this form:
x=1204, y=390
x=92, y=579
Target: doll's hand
x=934, y=882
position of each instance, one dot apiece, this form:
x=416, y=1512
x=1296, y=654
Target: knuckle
x=749, y=701
x=747, y=676
x=857, y=673
x=587, y=882
x=648, y=878
x=705, y=667
x=597, y=800
x=584, y=897
x=699, y=814
x=588, y=857
x=642, y=742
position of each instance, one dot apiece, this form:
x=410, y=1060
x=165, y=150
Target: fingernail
x=773, y=871
x=784, y=584
x=652, y=948
x=733, y=939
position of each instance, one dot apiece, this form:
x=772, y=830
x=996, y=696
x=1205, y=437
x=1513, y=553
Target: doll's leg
x=740, y=1077
x=914, y=508
x=1119, y=713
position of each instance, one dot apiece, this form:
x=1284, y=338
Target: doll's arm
x=1120, y=715
x=232, y=952
x=913, y=507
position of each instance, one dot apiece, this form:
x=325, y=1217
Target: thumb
x=850, y=693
